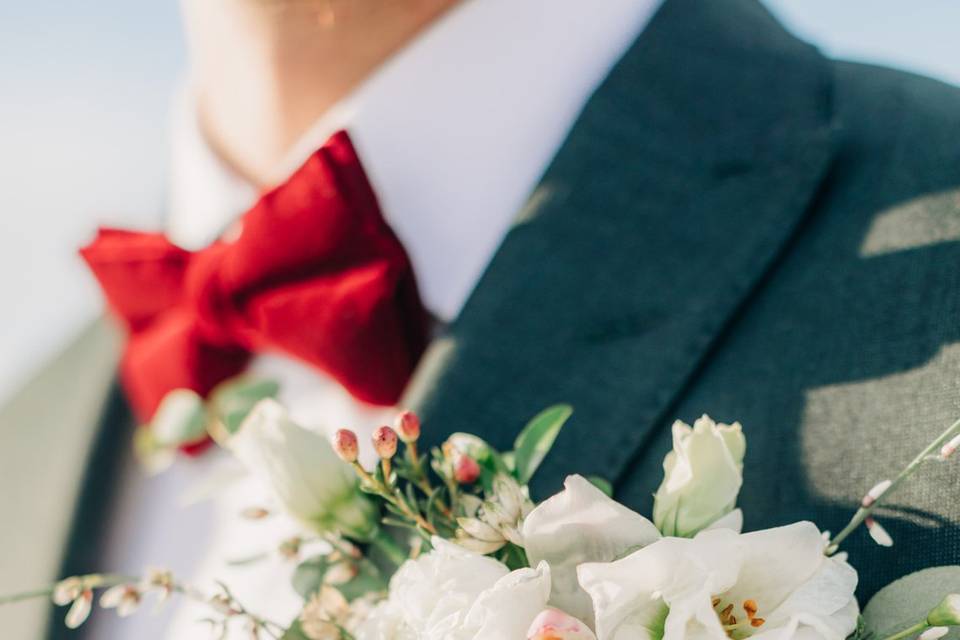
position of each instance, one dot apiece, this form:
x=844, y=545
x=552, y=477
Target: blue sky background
x=84, y=93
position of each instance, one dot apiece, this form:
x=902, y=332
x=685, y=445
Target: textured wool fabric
x=313, y=272
x=736, y=226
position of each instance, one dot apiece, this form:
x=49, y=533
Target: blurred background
x=84, y=106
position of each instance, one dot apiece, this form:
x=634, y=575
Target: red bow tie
x=314, y=273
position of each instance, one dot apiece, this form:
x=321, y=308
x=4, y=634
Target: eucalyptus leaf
x=535, y=441
x=907, y=601
x=308, y=576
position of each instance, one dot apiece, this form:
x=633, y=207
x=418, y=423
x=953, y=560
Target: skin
x=265, y=70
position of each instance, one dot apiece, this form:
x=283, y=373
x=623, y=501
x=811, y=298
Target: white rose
x=455, y=594
x=702, y=477
x=766, y=585
x=305, y=474
x=581, y=524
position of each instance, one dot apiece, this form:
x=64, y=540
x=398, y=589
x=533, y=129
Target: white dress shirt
x=454, y=133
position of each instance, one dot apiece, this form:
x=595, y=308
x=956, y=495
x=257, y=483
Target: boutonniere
x=446, y=543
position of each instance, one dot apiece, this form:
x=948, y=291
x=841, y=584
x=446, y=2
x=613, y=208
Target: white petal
x=879, y=534
x=128, y=606
x=302, y=469
x=67, y=590
x=479, y=530
x=732, y=521
x=80, y=610
x=777, y=562
x=828, y=592
x=113, y=596
x=508, y=608
x=581, y=524
x=483, y=547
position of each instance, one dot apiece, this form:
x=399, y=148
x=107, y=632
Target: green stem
x=389, y=547
x=863, y=512
x=26, y=595
x=917, y=628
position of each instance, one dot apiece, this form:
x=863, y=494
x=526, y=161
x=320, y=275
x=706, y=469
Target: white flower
x=498, y=520
x=308, y=478
x=455, y=594
x=767, y=585
x=581, y=524
x=702, y=477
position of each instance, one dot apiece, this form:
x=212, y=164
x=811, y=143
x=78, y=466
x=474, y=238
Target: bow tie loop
x=314, y=272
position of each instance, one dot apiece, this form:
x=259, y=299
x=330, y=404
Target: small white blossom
x=125, y=598
x=67, y=590
x=80, y=609
x=498, y=520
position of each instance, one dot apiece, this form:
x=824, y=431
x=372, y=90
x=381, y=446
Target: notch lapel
x=681, y=183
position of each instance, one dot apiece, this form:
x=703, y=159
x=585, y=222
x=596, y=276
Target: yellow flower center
x=738, y=622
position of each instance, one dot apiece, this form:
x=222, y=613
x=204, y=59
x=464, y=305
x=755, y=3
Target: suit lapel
x=681, y=183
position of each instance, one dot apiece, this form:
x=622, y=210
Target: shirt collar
x=454, y=131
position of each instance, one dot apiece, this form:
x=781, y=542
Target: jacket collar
x=682, y=183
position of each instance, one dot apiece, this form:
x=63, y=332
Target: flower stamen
x=730, y=622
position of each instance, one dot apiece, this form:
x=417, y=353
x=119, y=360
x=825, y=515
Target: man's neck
x=265, y=70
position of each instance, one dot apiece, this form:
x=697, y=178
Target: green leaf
x=233, y=399
x=294, y=632
x=601, y=483
x=534, y=442
x=308, y=576
x=368, y=580
x=907, y=601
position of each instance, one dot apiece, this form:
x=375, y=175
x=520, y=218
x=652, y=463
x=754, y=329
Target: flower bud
x=878, y=533
x=306, y=475
x=180, y=419
x=950, y=448
x=80, y=609
x=125, y=598
x=875, y=493
x=408, y=426
x=947, y=613
x=345, y=444
x=67, y=590
x=701, y=477
x=385, y=442
x=934, y=633
x=465, y=469
x=553, y=624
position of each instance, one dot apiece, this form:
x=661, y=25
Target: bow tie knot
x=314, y=272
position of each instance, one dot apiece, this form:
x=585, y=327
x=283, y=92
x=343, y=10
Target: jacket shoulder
x=911, y=120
